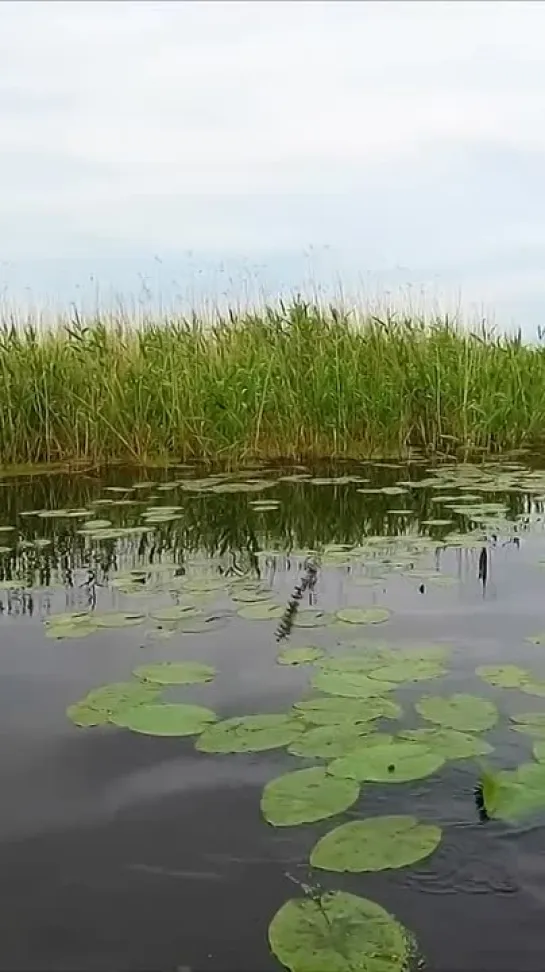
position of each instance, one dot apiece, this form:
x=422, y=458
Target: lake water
x=123, y=850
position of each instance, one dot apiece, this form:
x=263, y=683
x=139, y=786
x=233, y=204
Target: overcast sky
x=212, y=147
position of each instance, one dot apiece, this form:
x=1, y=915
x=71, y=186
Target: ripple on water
x=468, y=861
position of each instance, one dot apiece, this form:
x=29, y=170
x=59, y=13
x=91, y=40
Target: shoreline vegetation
x=295, y=381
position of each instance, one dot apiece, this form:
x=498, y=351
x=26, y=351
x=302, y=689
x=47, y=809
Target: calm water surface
x=125, y=851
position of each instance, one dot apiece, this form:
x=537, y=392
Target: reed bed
x=297, y=382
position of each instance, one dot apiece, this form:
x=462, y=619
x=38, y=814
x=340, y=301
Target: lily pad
x=539, y=751
x=350, y=684
x=449, y=743
x=117, y=619
x=305, y=796
x=336, y=711
x=175, y=673
x=304, y=655
x=331, y=741
x=339, y=932
x=75, y=625
x=206, y=584
x=261, y=612
x=249, y=734
x=534, y=686
x=513, y=794
x=408, y=671
x=96, y=708
x=310, y=618
x=436, y=523
x=373, y=615
x=175, y=612
x=503, y=676
x=398, y=762
x=375, y=844
x=251, y=595
x=165, y=719
x=469, y=713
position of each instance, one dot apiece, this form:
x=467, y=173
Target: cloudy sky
x=206, y=148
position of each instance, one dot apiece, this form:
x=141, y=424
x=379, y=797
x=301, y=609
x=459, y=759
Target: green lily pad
x=436, y=523
x=96, y=708
x=513, y=794
x=449, y=743
x=373, y=615
x=336, y=711
x=261, y=612
x=398, y=762
x=117, y=619
x=206, y=584
x=375, y=844
x=339, y=932
x=331, y=741
x=249, y=734
x=408, y=671
x=538, y=750
x=175, y=612
x=304, y=655
x=468, y=713
x=534, y=686
x=305, y=796
x=537, y=732
x=350, y=684
x=76, y=625
x=175, y=673
x=310, y=618
x=93, y=525
x=165, y=719
x=362, y=662
x=503, y=676
x=536, y=719
x=251, y=595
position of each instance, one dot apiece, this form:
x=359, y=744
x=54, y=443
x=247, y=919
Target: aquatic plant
x=293, y=380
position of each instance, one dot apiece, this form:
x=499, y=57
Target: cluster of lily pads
x=339, y=725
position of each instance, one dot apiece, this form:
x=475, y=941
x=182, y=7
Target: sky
x=181, y=152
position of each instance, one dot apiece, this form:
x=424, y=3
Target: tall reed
x=291, y=381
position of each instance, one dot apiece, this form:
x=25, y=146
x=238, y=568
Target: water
x=125, y=851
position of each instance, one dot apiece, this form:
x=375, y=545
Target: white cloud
x=399, y=132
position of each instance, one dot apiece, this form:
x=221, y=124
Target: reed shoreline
x=294, y=382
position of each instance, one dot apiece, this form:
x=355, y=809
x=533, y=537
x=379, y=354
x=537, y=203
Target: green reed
x=295, y=381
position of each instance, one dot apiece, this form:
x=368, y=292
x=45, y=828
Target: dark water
x=124, y=851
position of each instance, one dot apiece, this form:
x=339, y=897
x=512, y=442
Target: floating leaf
x=249, y=734
x=350, y=684
x=335, y=711
x=251, y=595
x=331, y=741
x=206, y=584
x=339, y=932
x=516, y=793
x=396, y=762
x=503, y=676
x=534, y=686
x=436, y=523
x=373, y=615
x=539, y=751
x=312, y=619
x=408, y=670
x=175, y=673
x=76, y=625
x=375, y=844
x=305, y=796
x=261, y=612
x=165, y=719
x=93, y=525
x=99, y=704
x=175, y=612
x=449, y=743
x=464, y=712
x=304, y=655
x=117, y=619
x=535, y=719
